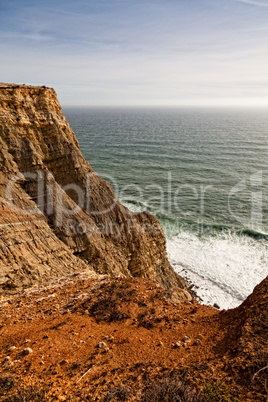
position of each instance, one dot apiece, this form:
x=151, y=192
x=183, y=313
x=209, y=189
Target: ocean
x=203, y=172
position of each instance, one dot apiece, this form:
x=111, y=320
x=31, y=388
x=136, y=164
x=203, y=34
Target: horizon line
x=168, y=106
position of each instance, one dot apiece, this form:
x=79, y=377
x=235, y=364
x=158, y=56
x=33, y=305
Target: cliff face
x=57, y=215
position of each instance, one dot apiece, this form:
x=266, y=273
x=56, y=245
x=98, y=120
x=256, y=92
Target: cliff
x=57, y=216
x=87, y=336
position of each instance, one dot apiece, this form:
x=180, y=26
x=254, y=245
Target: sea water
x=203, y=173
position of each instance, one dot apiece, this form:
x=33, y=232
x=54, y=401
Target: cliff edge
x=57, y=215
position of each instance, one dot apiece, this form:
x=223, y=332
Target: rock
x=177, y=344
x=160, y=344
x=36, y=138
x=102, y=345
x=186, y=338
x=215, y=305
x=26, y=351
x=8, y=364
x=64, y=362
x=12, y=348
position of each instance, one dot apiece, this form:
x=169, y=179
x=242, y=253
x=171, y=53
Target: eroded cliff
x=57, y=215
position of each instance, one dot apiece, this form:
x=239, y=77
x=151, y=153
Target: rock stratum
x=57, y=216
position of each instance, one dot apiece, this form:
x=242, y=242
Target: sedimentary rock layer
x=57, y=215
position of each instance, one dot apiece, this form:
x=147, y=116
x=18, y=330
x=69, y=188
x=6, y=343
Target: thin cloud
x=33, y=36
x=125, y=52
x=36, y=37
x=253, y=3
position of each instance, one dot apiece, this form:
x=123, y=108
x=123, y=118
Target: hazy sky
x=138, y=52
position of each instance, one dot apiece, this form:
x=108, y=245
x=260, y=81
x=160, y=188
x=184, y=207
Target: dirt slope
x=147, y=339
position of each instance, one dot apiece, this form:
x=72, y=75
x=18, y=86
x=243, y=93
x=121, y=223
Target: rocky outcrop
x=244, y=345
x=57, y=215
x=249, y=328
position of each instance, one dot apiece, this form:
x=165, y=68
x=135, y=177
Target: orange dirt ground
x=64, y=323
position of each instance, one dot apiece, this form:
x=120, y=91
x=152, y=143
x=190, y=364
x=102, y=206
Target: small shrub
x=111, y=287
x=170, y=390
x=259, y=371
x=31, y=394
x=144, y=322
x=6, y=383
x=9, y=285
x=218, y=393
x=106, y=310
x=120, y=393
x=259, y=361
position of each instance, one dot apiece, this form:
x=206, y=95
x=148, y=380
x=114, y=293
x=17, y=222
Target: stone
x=186, y=338
x=26, y=351
x=102, y=345
x=12, y=348
x=63, y=362
x=8, y=364
x=177, y=345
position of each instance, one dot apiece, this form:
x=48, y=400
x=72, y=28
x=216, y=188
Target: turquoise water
x=203, y=173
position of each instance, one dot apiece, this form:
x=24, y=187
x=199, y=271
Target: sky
x=138, y=52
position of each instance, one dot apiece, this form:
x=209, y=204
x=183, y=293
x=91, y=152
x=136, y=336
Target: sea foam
x=224, y=268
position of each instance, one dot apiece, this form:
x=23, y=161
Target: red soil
x=64, y=323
